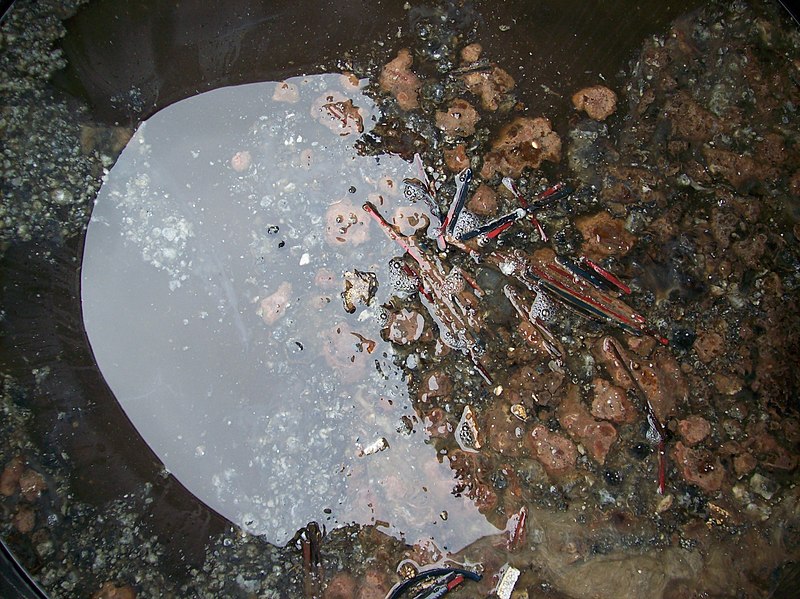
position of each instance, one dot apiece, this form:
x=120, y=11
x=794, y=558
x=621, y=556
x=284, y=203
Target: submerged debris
x=374, y=447
x=452, y=295
x=359, y=288
x=507, y=579
x=466, y=432
x=431, y=583
x=519, y=411
x=689, y=211
x=338, y=113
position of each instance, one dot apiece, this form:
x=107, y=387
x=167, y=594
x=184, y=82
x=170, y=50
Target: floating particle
x=359, y=288
x=241, y=161
x=373, y=447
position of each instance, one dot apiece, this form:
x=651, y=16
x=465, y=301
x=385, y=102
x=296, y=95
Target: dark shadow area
x=130, y=58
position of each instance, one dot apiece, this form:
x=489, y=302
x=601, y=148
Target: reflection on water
x=212, y=283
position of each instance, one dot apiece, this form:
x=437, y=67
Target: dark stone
x=683, y=339
x=640, y=451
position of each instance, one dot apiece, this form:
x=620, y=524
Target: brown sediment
x=374, y=585
x=525, y=143
x=487, y=81
x=658, y=378
x=556, y=453
x=9, y=479
x=699, y=467
x=574, y=417
x=31, y=484
x=491, y=85
x=709, y=345
x=604, y=236
x=398, y=79
x=459, y=119
x=694, y=429
x=25, y=519
x=111, y=590
x=627, y=184
x=471, y=53
x=503, y=431
x=456, y=158
x=610, y=402
x=405, y=327
x=538, y=382
x=286, y=92
x=345, y=223
x=597, y=101
x=484, y=201
x=341, y=586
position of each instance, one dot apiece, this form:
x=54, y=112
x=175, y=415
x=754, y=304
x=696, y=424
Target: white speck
x=374, y=447
x=305, y=259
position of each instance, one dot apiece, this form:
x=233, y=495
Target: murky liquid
x=211, y=287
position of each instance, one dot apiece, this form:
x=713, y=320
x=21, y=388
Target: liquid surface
x=212, y=297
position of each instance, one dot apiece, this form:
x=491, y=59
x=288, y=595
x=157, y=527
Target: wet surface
x=212, y=298
x=600, y=462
